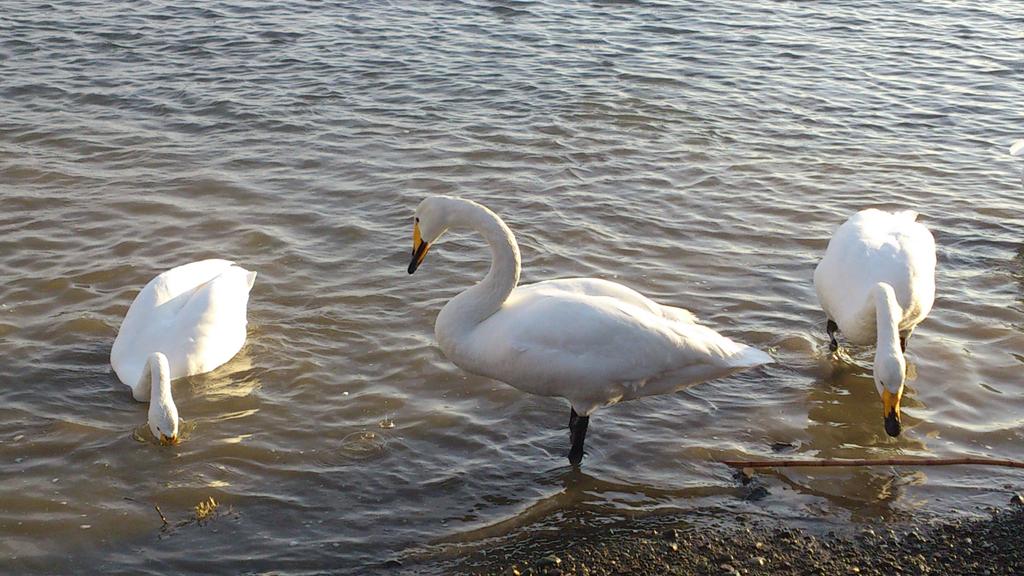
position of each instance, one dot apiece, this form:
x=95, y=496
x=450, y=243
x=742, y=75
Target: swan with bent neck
x=590, y=341
x=163, y=414
x=876, y=283
x=187, y=320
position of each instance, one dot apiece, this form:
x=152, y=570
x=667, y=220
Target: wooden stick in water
x=971, y=460
x=162, y=517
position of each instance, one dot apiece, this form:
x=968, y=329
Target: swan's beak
x=168, y=440
x=891, y=411
x=419, y=249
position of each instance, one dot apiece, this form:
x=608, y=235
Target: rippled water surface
x=699, y=153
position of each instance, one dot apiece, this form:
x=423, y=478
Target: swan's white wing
x=606, y=288
x=587, y=287
x=167, y=287
x=561, y=338
x=876, y=246
x=210, y=327
x=186, y=313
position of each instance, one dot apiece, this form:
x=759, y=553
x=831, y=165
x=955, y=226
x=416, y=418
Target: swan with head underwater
x=590, y=341
x=188, y=320
x=876, y=282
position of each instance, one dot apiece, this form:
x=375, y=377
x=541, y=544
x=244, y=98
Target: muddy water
x=699, y=153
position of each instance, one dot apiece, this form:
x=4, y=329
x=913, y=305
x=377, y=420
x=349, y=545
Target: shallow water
x=699, y=153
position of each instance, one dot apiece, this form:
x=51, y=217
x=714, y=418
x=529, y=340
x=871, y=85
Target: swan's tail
x=719, y=349
x=748, y=357
x=908, y=215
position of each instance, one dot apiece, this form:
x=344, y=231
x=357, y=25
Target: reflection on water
x=703, y=161
x=865, y=494
x=577, y=500
x=235, y=379
x=844, y=421
x=844, y=411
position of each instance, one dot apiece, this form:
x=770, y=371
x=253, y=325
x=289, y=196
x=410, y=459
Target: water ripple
x=708, y=149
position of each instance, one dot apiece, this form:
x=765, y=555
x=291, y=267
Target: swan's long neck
x=160, y=379
x=477, y=303
x=163, y=414
x=887, y=319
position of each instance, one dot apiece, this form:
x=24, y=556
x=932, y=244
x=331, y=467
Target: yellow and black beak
x=891, y=411
x=419, y=249
x=168, y=440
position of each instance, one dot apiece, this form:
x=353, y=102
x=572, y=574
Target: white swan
x=876, y=282
x=188, y=320
x=590, y=341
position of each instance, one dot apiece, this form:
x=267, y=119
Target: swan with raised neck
x=588, y=340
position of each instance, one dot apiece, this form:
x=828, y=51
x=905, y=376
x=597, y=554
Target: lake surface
x=700, y=153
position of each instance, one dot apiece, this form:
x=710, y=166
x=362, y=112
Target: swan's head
x=163, y=414
x=163, y=421
x=890, y=376
x=429, y=223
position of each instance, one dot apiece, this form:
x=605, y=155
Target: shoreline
x=745, y=544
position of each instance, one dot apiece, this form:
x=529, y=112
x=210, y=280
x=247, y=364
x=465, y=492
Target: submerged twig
x=158, y=511
x=971, y=460
x=162, y=517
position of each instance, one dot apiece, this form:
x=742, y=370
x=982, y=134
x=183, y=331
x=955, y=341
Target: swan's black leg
x=904, y=338
x=832, y=328
x=577, y=433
